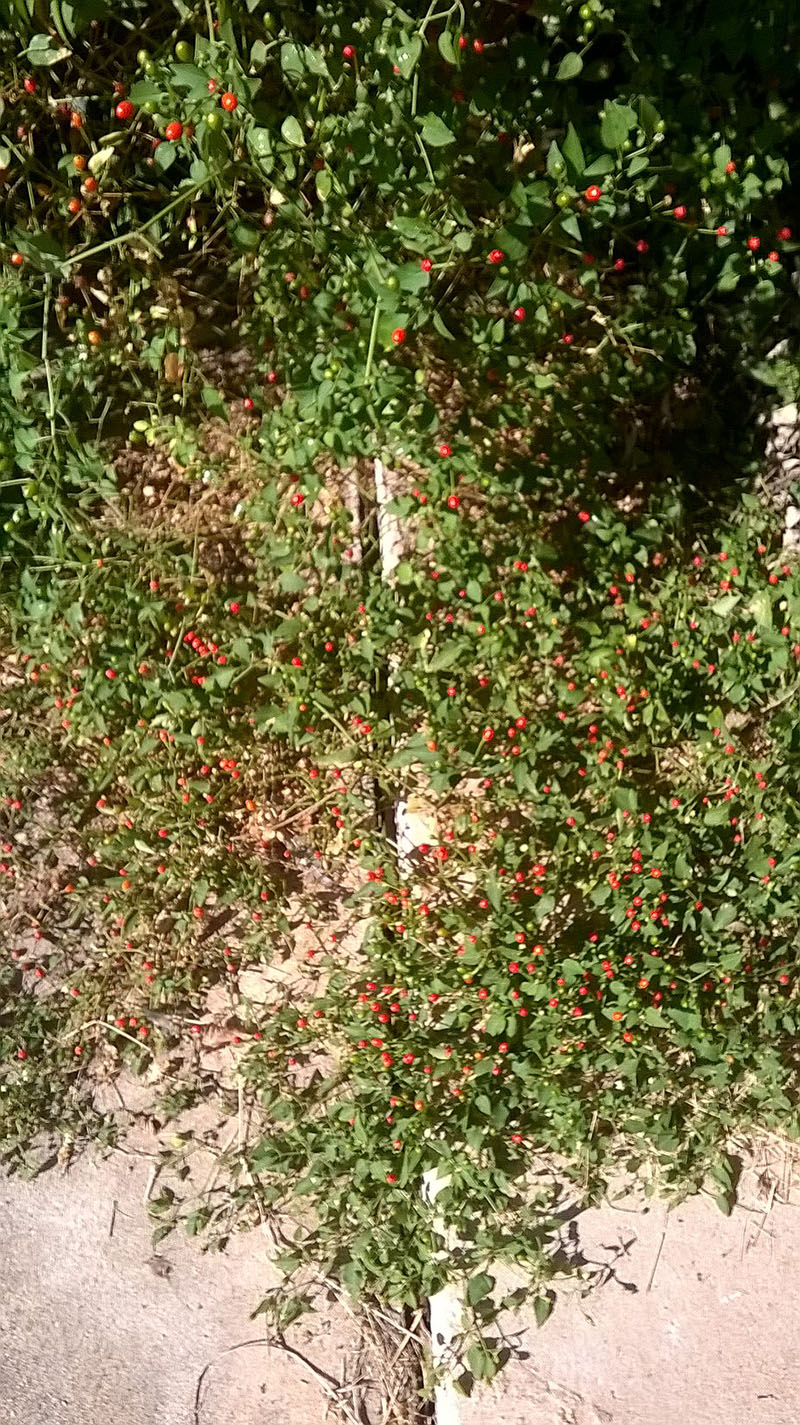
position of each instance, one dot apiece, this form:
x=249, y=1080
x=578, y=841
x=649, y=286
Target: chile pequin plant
x=535, y=259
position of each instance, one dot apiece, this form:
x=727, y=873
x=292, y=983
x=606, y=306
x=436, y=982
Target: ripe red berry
x=453, y=502
x=730, y=166
x=784, y=234
x=593, y=193
x=496, y=256
x=584, y=516
x=477, y=45
x=29, y=85
x=754, y=243
x=722, y=231
x=348, y=51
x=125, y=109
x=17, y=259
x=445, y=450
x=212, y=86
x=74, y=205
x=398, y=336
x=773, y=257
x=680, y=212
x=173, y=131
x=619, y=265
x=229, y=101
x=519, y=314
x=642, y=246
x=462, y=42
x=248, y=403
x=426, y=264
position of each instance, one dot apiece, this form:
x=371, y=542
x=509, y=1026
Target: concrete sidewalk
x=97, y=1328
x=697, y=1321
x=697, y=1324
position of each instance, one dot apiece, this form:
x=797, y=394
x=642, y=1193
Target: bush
x=537, y=270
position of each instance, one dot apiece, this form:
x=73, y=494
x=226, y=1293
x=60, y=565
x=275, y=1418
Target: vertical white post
x=446, y=1307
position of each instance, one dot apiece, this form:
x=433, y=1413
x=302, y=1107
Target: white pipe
x=446, y=1306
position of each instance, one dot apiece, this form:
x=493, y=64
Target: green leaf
x=600, y=166
x=722, y=157
x=638, y=164
x=259, y=142
x=654, y=1017
x=291, y=582
x=684, y=1019
x=648, y=116
x=144, y=91
x=292, y=61
x=435, y=131
x=213, y=402
x=164, y=157
x=555, y=158
x=43, y=50
x=625, y=798
x=725, y=604
x=411, y=278
x=570, y=66
x=724, y=916
x=542, y=1307
x=616, y=124
x=190, y=78
x=444, y=658
x=243, y=236
x=446, y=47
x=291, y=132
x=573, y=151
x=479, y=1287
x=732, y=269
x=407, y=57
x=323, y=184
x=315, y=63
x=513, y=241
x=717, y=816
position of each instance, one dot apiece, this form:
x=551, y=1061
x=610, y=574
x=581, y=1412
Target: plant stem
x=372, y=339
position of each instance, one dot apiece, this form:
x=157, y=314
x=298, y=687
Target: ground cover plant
x=537, y=260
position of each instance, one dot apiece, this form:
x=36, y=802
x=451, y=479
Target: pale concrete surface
x=708, y=1337
x=92, y=1334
